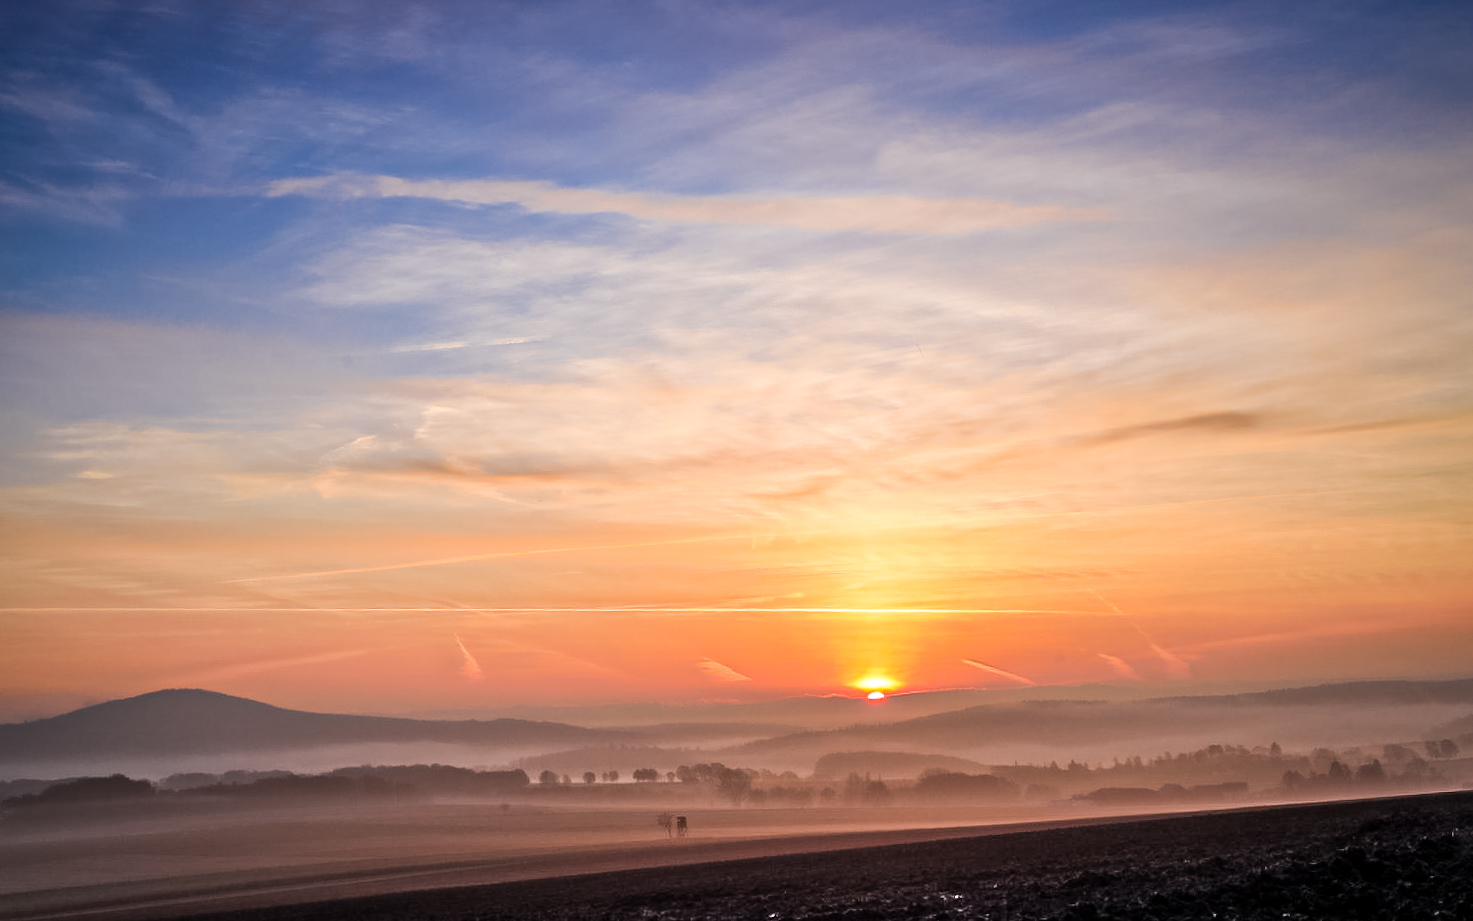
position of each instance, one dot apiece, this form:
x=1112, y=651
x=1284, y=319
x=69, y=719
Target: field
x=1395, y=858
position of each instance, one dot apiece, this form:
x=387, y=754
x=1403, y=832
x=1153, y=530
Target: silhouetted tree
x=1397, y=754
x=942, y=784
x=646, y=775
x=1442, y=748
x=866, y=791
x=244, y=777
x=732, y=783
x=1370, y=773
x=547, y=778
x=1417, y=769
x=589, y=777
x=443, y=778
x=86, y=790
x=314, y=786
x=188, y=781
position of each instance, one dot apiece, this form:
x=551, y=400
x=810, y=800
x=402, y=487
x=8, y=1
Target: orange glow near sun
x=876, y=684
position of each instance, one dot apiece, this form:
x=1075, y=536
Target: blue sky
x=465, y=272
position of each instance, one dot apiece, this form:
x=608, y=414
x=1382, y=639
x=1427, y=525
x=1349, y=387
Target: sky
x=393, y=357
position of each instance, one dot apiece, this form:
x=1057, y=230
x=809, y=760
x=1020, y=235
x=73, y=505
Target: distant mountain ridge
x=1364, y=693
x=181, y=722
x=1063, y=723
x=187, y=721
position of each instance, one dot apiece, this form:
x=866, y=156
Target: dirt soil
x=1396, y=858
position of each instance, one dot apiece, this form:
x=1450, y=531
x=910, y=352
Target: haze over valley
x=177, y=732
x=200, y=781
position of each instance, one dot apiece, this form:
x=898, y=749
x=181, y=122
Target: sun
x=876, y=695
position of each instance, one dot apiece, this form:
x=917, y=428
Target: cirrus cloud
x=872, y=214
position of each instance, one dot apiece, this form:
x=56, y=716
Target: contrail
x=469, y=667
x=1175, y=664
x=450, y=561
x=1000, y=672
x=252, y=668
x=1348, y=629
x=603, y=609
x=473, y=558
x=719, y=672
x=657, y=609
x=1121, y=666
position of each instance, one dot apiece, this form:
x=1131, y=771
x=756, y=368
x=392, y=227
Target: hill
x=1359, y=693
x=190, y=722
x=1334, y=715
x=172, y=726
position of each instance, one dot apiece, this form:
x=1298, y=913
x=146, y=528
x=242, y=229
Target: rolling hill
x=1334, y=715
x=192, y=722
x=173, y=726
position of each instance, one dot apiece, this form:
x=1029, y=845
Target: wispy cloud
x=1218, y=422
x=874, y=214
x=96, y=204
x=1294, y=637
x=483, y=557
x=465, y=344
x=248, y=669
x=954, y=336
